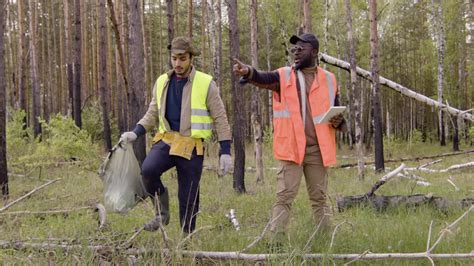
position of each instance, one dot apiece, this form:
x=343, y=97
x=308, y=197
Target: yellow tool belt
x=180, y=145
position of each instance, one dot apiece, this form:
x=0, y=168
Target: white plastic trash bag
x=120, y=173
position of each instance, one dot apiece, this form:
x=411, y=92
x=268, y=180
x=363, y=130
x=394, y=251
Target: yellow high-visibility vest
x=201, y=120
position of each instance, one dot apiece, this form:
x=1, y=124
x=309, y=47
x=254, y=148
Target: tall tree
x=355, y=103
x=307, y=25
x=190, y=19
x=34, y=71
x=377, y=112
x=3, y=109
x=238, y=102
x=136, y=71
x=256, y=116
x=103, y=86
x=170, y=16
x=441, y=45
x=68, y=56
x=22, y=60
x=76, y=94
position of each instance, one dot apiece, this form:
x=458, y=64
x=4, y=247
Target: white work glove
x=225, y=163
x=128, y=137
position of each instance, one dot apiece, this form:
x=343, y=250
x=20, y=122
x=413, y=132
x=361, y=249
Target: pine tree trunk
x=136, y=72
x=190, y=19
x=76, y=95
x=377, y=113
x=34, y=72
x=22, y=61
x=307, y=26
x=68, y=56
x=3, y=110
x=219, y=44
x=256, y=117
x=170, y=16
x=203, y=36
x=103, y=87
x=356, y=92
x=238, y=102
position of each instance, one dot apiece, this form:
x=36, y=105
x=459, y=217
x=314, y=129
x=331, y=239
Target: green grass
x=395, y=230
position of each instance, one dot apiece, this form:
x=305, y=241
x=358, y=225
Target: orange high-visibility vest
x=289, y=139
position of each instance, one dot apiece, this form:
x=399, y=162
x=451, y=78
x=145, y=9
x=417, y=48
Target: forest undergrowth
x=73, y=156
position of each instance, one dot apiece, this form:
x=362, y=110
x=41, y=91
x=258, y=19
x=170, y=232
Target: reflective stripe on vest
x=331, y=95
x=201, y=121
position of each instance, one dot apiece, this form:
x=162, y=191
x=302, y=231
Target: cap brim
x=178, y=51
x=294, y=39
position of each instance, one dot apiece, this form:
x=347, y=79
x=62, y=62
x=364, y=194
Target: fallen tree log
x=347, y=165
x=18, y=245
x=384, y=202
x=399, y=88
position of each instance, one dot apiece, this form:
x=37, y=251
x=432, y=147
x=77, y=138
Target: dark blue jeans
x=159, y=161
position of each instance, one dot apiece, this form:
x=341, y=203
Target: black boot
x=162, y=216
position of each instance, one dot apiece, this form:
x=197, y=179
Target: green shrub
x=18, y=139
x=92, y=122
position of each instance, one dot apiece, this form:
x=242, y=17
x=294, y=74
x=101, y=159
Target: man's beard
x=304, y=63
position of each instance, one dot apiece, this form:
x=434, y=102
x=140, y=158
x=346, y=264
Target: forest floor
x=360, y=230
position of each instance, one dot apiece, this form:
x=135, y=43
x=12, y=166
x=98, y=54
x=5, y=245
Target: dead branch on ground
x=27, y=195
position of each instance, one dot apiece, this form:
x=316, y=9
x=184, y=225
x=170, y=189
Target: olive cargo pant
x=288, y=183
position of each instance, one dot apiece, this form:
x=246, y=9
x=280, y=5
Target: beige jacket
x=214, y=104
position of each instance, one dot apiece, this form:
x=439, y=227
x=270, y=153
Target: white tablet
x=333, y=111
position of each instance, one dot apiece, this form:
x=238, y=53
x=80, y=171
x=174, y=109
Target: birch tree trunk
x=238, y=102
x=136, y=72
x=36, y=93
x=103, y=86
x=3, y=110
x=307, y=25
x=256, y=117
x=441, y=45
x=357, y=111
x=268, y=55
x=77, y=64
x=377, y=113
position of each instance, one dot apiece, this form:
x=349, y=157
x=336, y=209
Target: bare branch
x=449, y=227
x=28, y=194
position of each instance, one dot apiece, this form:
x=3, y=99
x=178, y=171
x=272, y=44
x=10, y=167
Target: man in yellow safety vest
x=185, y=105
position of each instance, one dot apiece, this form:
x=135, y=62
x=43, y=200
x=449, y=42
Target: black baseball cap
x=307, y=38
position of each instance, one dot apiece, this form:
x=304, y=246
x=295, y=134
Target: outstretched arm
x=263, y=79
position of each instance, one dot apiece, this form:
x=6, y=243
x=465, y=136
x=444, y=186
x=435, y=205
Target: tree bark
x=76, y=107
x=103, y=86
x=34, y=72
x=3, y=110
x=256, y=117
x=238, y=102
x=307, y=26
x=357, y=111
x=22, y=61
x=374, y=43
x=190, y=19
x=170, y=16
x=441, y=45
x=68, y=56
x=136, y=72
